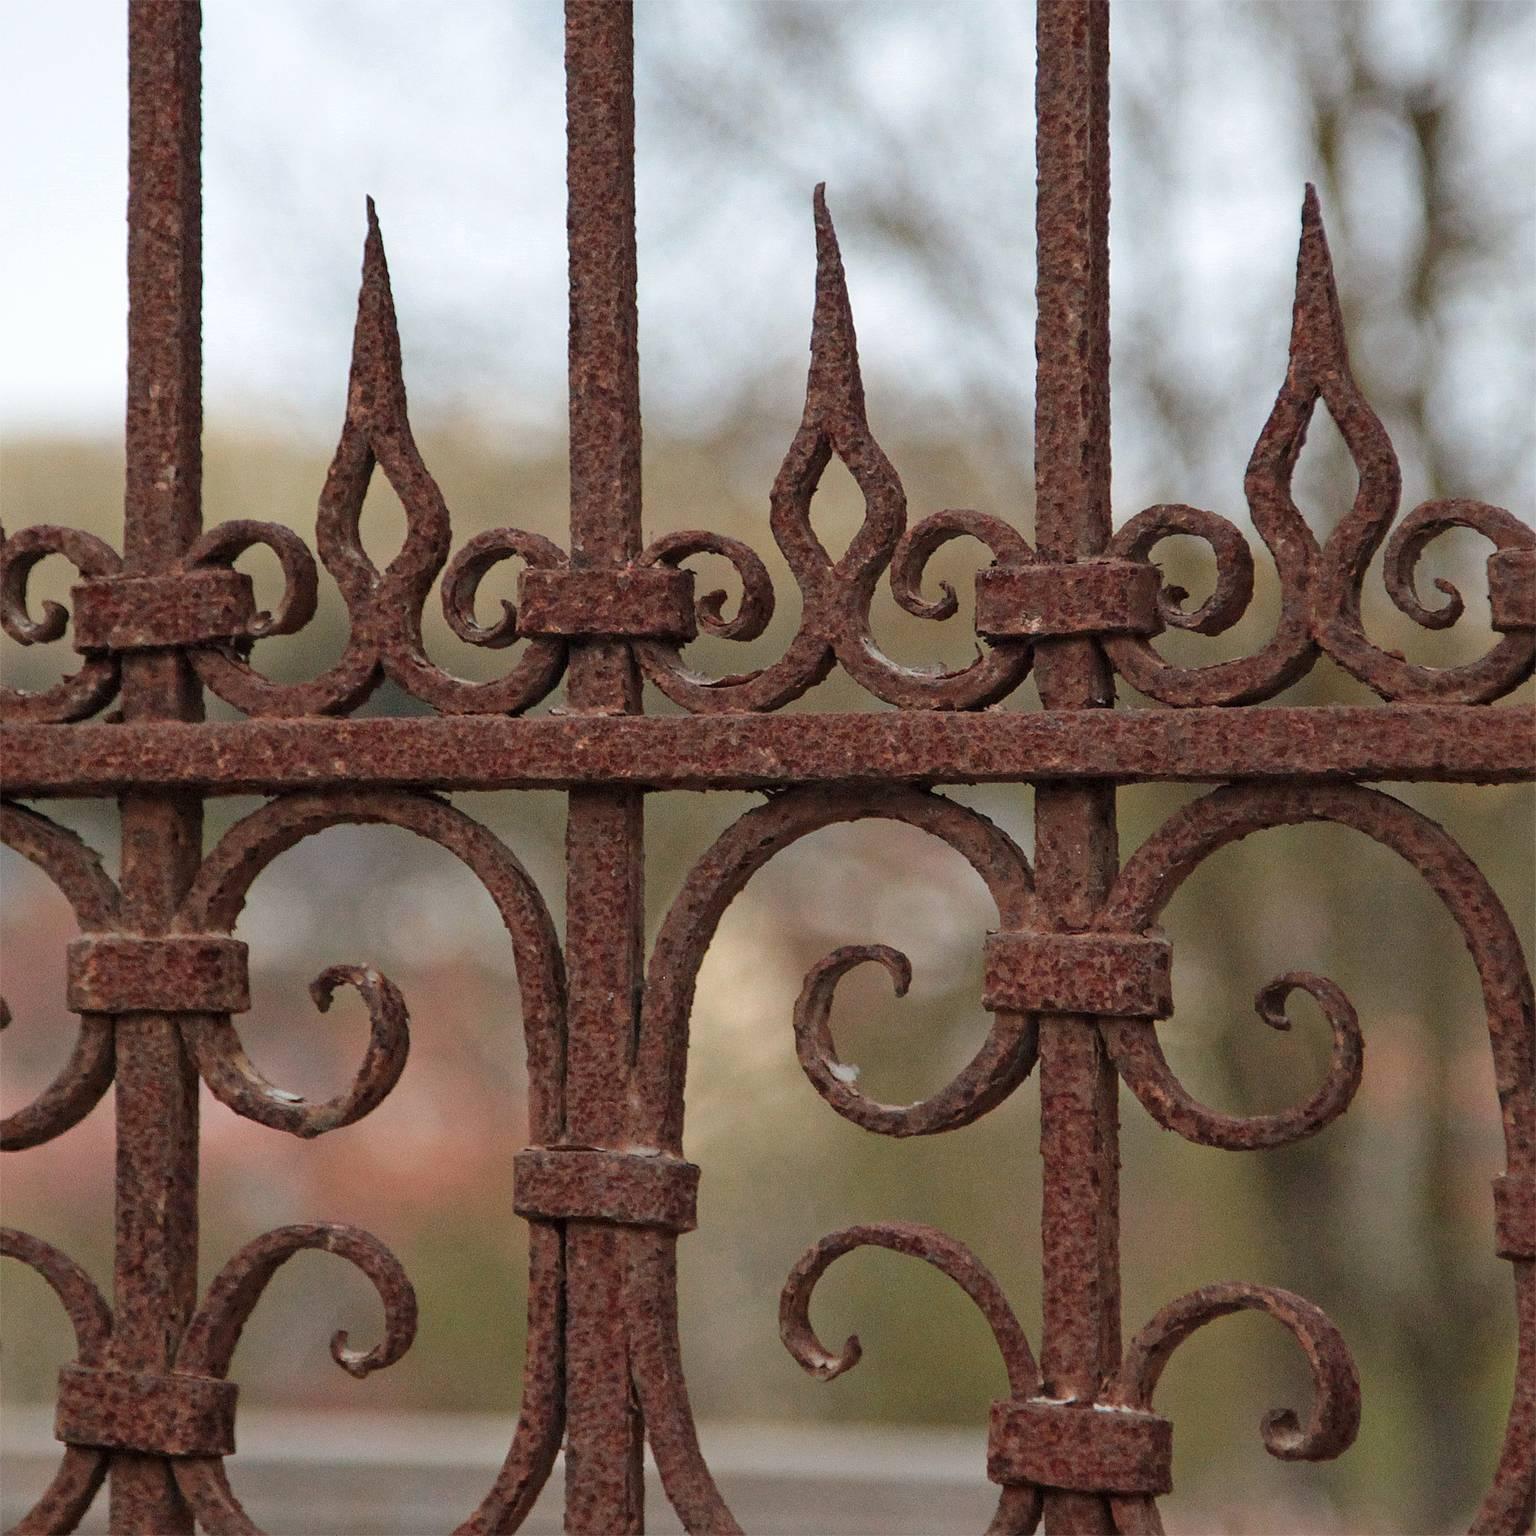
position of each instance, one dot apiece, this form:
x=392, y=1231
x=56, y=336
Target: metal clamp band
x=633, y=602
x=157, y=1415
x=1090, y=597
x=1512, y=588
x=1084, y=1447
x=1115, y=975
x=181, y=973
x=593, y=1184
x=141, y=613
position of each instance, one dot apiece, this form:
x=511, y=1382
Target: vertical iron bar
x=604, y=830
x=1076, y=847
x=155, y=1274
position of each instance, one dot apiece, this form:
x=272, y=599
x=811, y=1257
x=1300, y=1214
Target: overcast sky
x=452, y=118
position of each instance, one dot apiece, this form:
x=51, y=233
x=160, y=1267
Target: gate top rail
x=1077, y=974
x=1403, y=743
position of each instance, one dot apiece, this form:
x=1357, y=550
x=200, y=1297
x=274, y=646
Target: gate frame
x=1077, y=975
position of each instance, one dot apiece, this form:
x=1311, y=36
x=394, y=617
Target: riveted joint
x=179, y=973
x=154, y=1415
x=595, y=1184
x=1113, y=975
x=1079, y=1447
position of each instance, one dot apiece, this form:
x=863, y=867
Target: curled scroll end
x=1446, y=614
x=828, y=1367
x=355, y=1362
x=395, y=1291
x=834, y=378
x=1002, y=1062
x=1282, y=1434
x=923, y=540
x=376, y=388
x=235, y=1082
x=916, y=1241
x=817, y=1360
x=1269, y=1003
x=1233, y=588
x=1347, y=1062
x=945, y=606
x=814, y=1005
x=831, y=969
x=16, y=562
x=1419, y=529
x=20, y=552
x=1271, y=999
x=322, y=990
x=462, y=621
x=795, y=1328
x=389, y=1042
x=755, y=609
x=208, y=1345
x=461, y=581
x=223, y=544
x=1402, y=558
x=815, y=1047
x=1141, y=1062
x=710, y=612
x=50, y=624
x=1334, y=1419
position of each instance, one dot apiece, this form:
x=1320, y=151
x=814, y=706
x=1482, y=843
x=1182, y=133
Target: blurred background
x=1417, y=121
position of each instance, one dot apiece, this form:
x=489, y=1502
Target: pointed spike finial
x=1317, y=323
x=834, y=376
x=376, y=387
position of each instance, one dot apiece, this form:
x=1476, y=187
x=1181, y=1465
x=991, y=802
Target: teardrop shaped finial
x=834, y=381
x=1317, y=323
x=376, y=385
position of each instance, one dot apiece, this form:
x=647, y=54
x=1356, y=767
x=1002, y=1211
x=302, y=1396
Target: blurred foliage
x=1383, y=1219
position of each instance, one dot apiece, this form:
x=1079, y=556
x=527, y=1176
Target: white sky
x=63, y=187
x=452, y=118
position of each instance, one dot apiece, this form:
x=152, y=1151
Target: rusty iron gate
x=1076, y=974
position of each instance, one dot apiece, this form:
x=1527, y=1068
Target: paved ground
x=359, y=1474
x=392, y=1475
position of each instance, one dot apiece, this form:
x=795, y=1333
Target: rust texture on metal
x=1079, y=1448
x=1514, y=1215
x=579, y=1183
x=1327, y=742
x=146, y=613
x=182, y=973
x=1077, y=973
x=1114, y=975
x=644, y=602
x=175, y=1415
x=1093, y=597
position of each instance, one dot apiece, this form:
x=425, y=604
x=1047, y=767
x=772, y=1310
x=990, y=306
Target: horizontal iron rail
x=1379, y=743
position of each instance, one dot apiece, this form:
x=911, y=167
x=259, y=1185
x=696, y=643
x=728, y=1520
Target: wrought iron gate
x=1076, y=975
